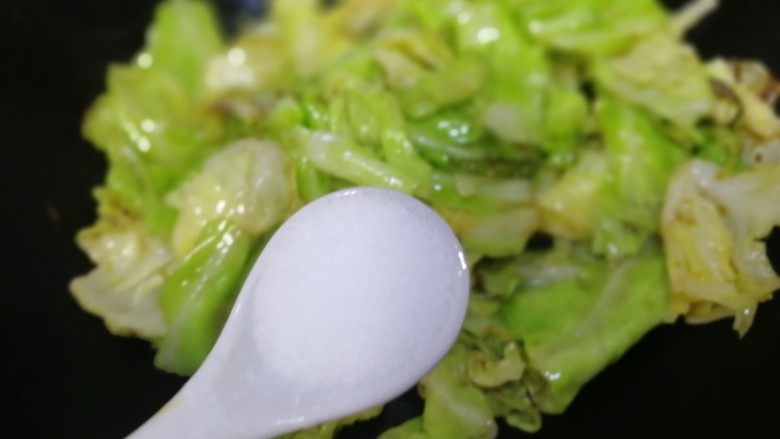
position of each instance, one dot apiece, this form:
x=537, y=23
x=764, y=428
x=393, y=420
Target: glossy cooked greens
x=656, y=175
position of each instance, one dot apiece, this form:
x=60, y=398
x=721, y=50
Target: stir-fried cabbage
x=125, y=287
x=602, y=178
x=713, y=227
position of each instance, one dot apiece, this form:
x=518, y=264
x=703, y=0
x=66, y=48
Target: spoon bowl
x=355, y=298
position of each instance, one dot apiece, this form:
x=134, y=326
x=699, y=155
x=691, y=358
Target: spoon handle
x=226, y=408
x=196, y=413
x=186, y=417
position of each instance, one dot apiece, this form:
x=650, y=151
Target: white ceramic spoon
x=355, y=298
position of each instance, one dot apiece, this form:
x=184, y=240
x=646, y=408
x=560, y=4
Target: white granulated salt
x=354, y=287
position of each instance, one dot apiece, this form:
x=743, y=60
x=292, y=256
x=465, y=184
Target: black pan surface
x=62, y=375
